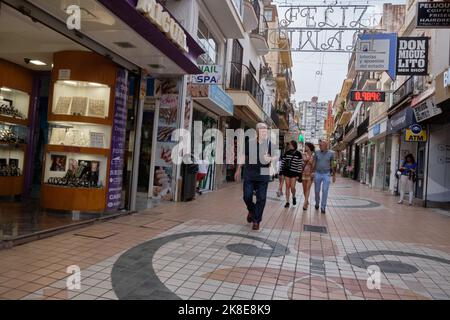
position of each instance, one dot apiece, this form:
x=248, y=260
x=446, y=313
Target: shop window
x=209, y=44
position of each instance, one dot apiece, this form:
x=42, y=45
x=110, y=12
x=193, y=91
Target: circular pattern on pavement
x=134, y=278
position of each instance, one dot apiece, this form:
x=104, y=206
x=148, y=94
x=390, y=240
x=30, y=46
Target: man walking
x=256, y=174
x=324, y=169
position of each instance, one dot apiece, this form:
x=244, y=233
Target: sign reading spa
x=163, y=20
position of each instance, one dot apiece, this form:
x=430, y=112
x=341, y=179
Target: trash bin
x=189, y=173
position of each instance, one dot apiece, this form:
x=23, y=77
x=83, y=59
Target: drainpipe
x=428, y=164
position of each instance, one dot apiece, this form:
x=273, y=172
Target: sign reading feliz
x=212, y=74
x=162, y=19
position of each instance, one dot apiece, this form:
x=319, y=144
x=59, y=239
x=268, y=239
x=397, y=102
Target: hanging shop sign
x=156, y=14
x=416, y=133
x=211, y=74
x=433, y=14
x=377, y=52
x=412, y=56
x=118, y=143
x=401, y=120
x=426, y=110
x=367, y=96
x=212, y=97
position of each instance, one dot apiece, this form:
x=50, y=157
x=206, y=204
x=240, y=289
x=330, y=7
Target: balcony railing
x=263, y=28
x=241, y=78
x=349, y=128
x=363, y=127
x=406, y=90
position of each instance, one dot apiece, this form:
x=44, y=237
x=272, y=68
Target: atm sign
x=368, y=96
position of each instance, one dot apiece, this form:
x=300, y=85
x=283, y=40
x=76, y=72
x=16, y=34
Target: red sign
x=368, y=96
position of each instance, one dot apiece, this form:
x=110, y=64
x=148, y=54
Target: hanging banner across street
x=412, y=56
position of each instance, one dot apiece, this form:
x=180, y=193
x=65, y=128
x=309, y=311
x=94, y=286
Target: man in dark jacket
x=256, y=174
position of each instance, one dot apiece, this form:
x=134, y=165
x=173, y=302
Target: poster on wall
x=118, y=143
x=163, y=184
x=412, y=56
x=433, y=14
x=163, y=180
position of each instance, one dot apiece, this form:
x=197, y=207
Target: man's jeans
x=256, y=209
x=320, y=178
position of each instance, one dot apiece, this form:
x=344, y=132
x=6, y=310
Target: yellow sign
x=162, y=19
x=419, y=137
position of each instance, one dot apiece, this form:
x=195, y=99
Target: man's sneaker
x=294, y=201
x=255, y=226
x=287, y=205
x=322, y=210
x=400, y=202
x=317, y=207
x=250, y=217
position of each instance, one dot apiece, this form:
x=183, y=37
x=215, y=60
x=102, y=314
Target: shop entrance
x=59, y=119
x=209, y=121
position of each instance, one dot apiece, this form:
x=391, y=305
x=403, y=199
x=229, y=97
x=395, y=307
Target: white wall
x=439, y=165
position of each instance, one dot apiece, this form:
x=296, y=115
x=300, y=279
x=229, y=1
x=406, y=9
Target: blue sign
x=392, y=37
x=416, y=129
x=376, y=129
x=401, y=120
x=221, y=98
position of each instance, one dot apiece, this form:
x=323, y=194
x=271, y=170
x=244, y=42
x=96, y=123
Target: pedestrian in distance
x=281, y=174
x=407, y=178
x=292, y=167
x=324, y=172
x=307, y=175
x=256, y=174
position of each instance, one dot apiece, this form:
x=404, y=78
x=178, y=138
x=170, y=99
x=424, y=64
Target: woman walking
x=408, y=170
x=307, y=176
x=280, y=172
x=292, y=167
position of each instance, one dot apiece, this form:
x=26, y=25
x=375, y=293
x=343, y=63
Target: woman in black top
x=292, y=167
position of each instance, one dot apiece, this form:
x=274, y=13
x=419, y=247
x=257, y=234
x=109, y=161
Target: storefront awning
x=121, y=28
x=214, y=98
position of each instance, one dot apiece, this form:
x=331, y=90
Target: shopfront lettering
x=162, y=19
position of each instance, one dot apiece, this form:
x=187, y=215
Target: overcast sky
x=333, y=66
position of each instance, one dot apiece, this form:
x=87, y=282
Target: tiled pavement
x=205, y=250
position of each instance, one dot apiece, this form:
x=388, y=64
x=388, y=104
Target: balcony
x=246, y=91
x=252, y=11
x=259, y=38
x=275, y=118
x=405, y=91
x=363, y=127
x=228, y=16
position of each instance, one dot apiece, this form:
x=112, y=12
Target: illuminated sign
x=416, y=133
x=368, y=96
x=154, y=12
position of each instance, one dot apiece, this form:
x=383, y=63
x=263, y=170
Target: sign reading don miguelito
x=412, y=56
